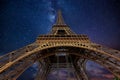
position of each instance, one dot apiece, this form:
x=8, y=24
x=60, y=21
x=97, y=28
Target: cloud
x=97, y=72
x=109, y=76
x=96, y=79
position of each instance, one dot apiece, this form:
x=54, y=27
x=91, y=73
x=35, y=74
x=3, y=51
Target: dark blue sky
x=21, y=21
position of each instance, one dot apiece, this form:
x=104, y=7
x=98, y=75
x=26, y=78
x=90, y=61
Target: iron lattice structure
x=61, y=48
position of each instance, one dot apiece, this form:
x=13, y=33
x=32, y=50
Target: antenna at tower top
x=60, y=20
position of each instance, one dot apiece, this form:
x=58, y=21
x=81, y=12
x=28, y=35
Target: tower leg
x=43, y=70
x=80, y=68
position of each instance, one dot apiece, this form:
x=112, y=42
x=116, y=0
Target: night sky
x=21, y=21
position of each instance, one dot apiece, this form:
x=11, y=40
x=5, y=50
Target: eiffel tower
x=61, y=48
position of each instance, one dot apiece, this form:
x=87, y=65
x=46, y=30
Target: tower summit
x=60, y=27
x=60, y=20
